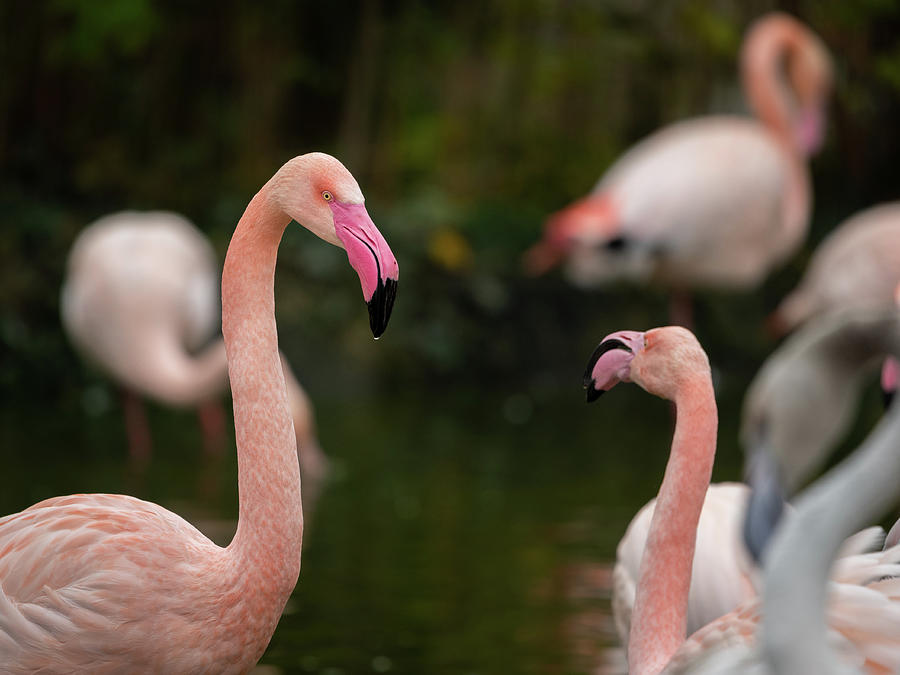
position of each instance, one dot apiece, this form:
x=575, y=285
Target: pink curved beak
x=372, y=259
x=611, y=362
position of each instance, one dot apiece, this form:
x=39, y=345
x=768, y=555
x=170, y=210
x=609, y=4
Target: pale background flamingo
x=140, y=301
x=103, y=583
x=715, y=201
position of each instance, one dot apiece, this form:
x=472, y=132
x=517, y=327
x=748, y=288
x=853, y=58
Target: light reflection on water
x=458, y=534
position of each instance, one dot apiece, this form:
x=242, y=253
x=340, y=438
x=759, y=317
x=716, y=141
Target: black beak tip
x=592, y=393
x=887, y=397
x=380, y=306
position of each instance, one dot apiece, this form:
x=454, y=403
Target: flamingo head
x=660, y=360
x=584, y=222
x=317, y=191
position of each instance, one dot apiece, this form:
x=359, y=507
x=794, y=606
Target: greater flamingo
x=139, y=300
x=722, y=573
x=109, y=583
x=806, y=624
x=712, y=201
x=670, y=363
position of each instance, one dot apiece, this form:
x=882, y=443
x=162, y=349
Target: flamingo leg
x=140, y=445
x=681, y=308
x=212, y=425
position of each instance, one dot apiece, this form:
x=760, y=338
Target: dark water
x=463, y=531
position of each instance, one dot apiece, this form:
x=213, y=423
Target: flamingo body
x=713, y=201
x=79, y=570
x=141, y=294
x=721, y=576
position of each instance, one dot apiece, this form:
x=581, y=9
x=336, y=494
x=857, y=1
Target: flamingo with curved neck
x=140, y=300
x=107, y=583
x=713, y=201
x=670, y=363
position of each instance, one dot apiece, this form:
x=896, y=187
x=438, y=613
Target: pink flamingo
x=712, y=201
x=670, y=363
x=722, y=572
x=109, y=583
x=140, y=298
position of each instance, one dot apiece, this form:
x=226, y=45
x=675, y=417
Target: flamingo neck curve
x=659, y=619
x=177, y=377
x=265, y=553
x=766, y=48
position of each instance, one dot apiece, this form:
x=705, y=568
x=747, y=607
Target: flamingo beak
x=611, y=362
x=809, y=129
x=371, y=257
x=890, y=374
x=766, y=504
x=560, y=231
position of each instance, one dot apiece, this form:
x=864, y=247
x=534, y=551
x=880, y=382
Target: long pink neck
x=659, y=619
x=265, y=552
x=762, y=54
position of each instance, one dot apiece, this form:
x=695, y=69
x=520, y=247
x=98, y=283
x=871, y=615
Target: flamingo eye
x=327, y=196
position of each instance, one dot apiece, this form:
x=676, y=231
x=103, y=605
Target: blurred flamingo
x=109, y=583
x=670, y=363
x=139, y=300
x=713, y=201
x=818, y=614
x=857, y=265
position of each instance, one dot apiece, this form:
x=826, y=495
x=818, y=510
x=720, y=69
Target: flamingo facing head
x=333, y=208
x=109, y=583
x=670, y=363
x=656, y=360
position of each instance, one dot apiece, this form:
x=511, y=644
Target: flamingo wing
x=863, y=616
x=708, y=197
x=77, y=570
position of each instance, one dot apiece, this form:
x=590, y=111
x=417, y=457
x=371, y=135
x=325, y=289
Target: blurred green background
x=473, y=483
